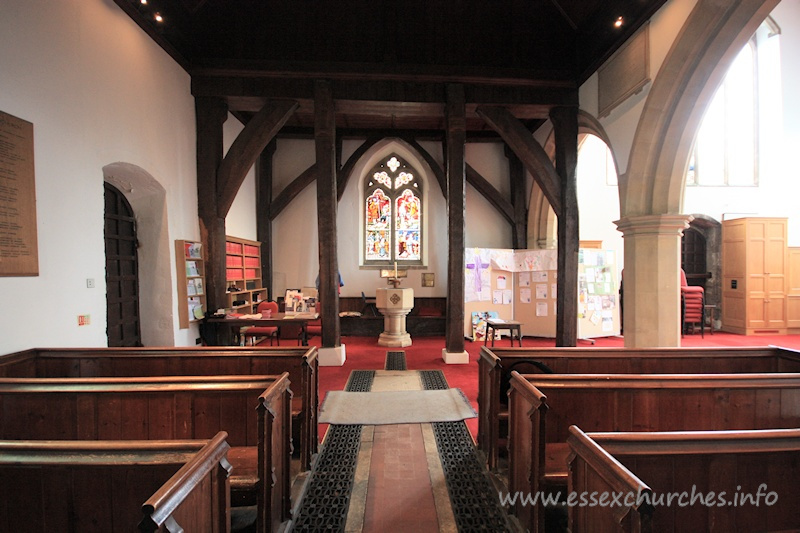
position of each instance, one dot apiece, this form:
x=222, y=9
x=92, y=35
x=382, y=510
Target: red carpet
x=363, y=353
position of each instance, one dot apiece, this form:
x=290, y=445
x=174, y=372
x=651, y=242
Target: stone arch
x=148, y=200
x=542, y=221
x=693, y=69
x=652, y=188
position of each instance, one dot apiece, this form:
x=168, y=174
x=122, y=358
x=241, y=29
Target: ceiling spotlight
x=158, y=17
x=619, y=22
x=143, y=2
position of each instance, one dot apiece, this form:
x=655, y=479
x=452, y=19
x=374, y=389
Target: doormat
x=395, y=407
x=395, y=360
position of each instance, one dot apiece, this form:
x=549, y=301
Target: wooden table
x=511, y=325
x=233, y=324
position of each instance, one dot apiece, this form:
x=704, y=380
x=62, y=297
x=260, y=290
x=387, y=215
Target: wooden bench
x=113, y=486
x=748, y=477
x=253, y=410
x=495, y=365
x=543, y=407
x=300, y=362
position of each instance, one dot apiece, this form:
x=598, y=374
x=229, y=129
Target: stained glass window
x=393, y=214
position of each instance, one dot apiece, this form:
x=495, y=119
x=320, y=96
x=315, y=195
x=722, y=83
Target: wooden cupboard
x=243, y=275
x=754, y=276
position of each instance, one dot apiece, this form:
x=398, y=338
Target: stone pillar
x=652, y=313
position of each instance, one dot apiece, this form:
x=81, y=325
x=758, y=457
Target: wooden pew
x=300, y=362
x=495, y=365
x=542, y=407
x=752, y=475
x=111, y=486
x=253, y=410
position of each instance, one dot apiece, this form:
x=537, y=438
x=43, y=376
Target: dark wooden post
x=565, y=123
x=456, y=202
x=263, y=215
x=325, y=141
x=519, y=201
x=210, y=115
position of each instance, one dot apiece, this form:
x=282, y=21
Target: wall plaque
x=19, y=250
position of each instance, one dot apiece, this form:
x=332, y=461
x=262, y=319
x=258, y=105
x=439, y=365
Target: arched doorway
x=701, y=247
x=122, y=270
x=147, y=199
x=693, y=257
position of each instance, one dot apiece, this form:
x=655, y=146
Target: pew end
x=715, y=481
x=114, y=485
x=593, y=470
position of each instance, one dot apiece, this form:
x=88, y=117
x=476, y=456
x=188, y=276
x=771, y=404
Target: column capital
x=653, y=224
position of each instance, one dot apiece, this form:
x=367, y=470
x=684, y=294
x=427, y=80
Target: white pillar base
x=332, y=356
x=394, y=339
x=455, y=358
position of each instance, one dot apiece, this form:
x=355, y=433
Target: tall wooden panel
x=793, y=291
x=754, y=276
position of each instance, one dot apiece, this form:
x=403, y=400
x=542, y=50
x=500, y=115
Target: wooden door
x=122, y=271
x=766, y=273
x=754, y=275
x=693, y=257
x=734, y=262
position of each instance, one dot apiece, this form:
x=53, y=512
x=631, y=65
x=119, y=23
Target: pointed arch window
x=393, y=199
x=741, y=125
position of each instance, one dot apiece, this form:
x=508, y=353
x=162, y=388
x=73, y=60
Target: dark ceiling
x=389, y=60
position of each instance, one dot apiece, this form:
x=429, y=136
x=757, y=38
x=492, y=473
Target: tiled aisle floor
x=399, y=495
x=394, y=477
x=399, y=485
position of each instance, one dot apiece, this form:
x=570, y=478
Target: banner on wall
x=477, y=283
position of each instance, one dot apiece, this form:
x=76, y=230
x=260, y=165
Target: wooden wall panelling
x=793, y=291
x=754, y=275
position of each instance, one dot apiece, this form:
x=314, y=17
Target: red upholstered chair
x=692, y=306
x=270, y=332
x=314, y=327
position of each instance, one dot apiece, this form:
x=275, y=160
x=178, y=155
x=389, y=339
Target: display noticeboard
x=492, y=284
x=482, y=281
x=598, y=294
x=19, y=249
x=535, y=283
x=522, y=285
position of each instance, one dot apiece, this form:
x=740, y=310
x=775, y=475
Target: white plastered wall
x=99, y=92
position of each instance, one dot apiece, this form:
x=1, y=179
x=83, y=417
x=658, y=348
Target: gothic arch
x=542, y=222
x=693, y=69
